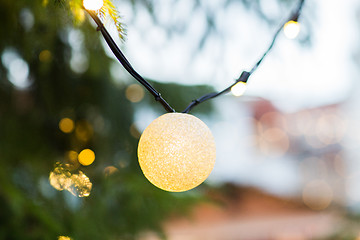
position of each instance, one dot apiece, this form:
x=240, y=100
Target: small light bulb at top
x=239, y=89
x=291, y=29
x=93, y=5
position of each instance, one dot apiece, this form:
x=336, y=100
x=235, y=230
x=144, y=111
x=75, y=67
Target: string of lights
x=239, y=86
x=290, y=26
x=177, y=151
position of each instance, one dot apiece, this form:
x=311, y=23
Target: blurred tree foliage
x=50, y=70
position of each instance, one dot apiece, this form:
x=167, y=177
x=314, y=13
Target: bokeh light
x=110, y=170
x=277, y=140
x=93, y=4
x=291, y=29
x=83, y=130
x=81, y=185
x=72, y=155
x=86, y=157
x=66, y=125
x=60, y=177
x=64, y=238
x=78, y=184
x=135, y=93
x=317, y=195
x=45, y=56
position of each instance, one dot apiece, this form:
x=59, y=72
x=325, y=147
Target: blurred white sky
x=293, y=76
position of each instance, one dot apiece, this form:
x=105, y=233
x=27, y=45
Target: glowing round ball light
x=176, y=152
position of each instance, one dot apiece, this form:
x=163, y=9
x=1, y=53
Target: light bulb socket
x=296, y=14
x=244, y=77
x=295, y=17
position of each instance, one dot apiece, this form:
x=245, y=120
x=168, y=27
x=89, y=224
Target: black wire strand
x=122, y=59
x=293, y=17
x=243, y=77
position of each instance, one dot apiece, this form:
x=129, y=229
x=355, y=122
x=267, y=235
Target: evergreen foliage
x=67, y=75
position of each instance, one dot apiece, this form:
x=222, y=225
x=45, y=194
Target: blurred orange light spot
x=110, y=170
x=64, y=238
x=134, y=93
x=304, y=123
x=86, y=157
x=59, y=178
x=317, y=195
x=78, y=184
x=274, y=141
x=83, y=131
x=66, y=125
x=45, y=56
x=72, y=155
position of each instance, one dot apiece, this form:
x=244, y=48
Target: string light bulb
x=292, y=29
x=177, y=152
x=93, y=5
x=239, y=89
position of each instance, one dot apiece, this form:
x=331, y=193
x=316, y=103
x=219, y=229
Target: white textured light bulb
x=238, y=89
x=93, y=5
x=291, y=29
x=176, y=152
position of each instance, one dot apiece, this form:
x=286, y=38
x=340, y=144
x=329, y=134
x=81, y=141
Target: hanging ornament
x=176, y=152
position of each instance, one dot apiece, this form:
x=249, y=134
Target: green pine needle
x=76, y=8
x=108, y=10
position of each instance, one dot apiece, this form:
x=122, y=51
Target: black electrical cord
x=122, y=59
x=243, y=77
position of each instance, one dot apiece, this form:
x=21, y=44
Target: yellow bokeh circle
x=86, y=157
x=176, y=152
x=66, y=125
x=134, y=93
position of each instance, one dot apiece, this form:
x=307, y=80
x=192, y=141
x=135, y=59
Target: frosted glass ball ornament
x=177, y=152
